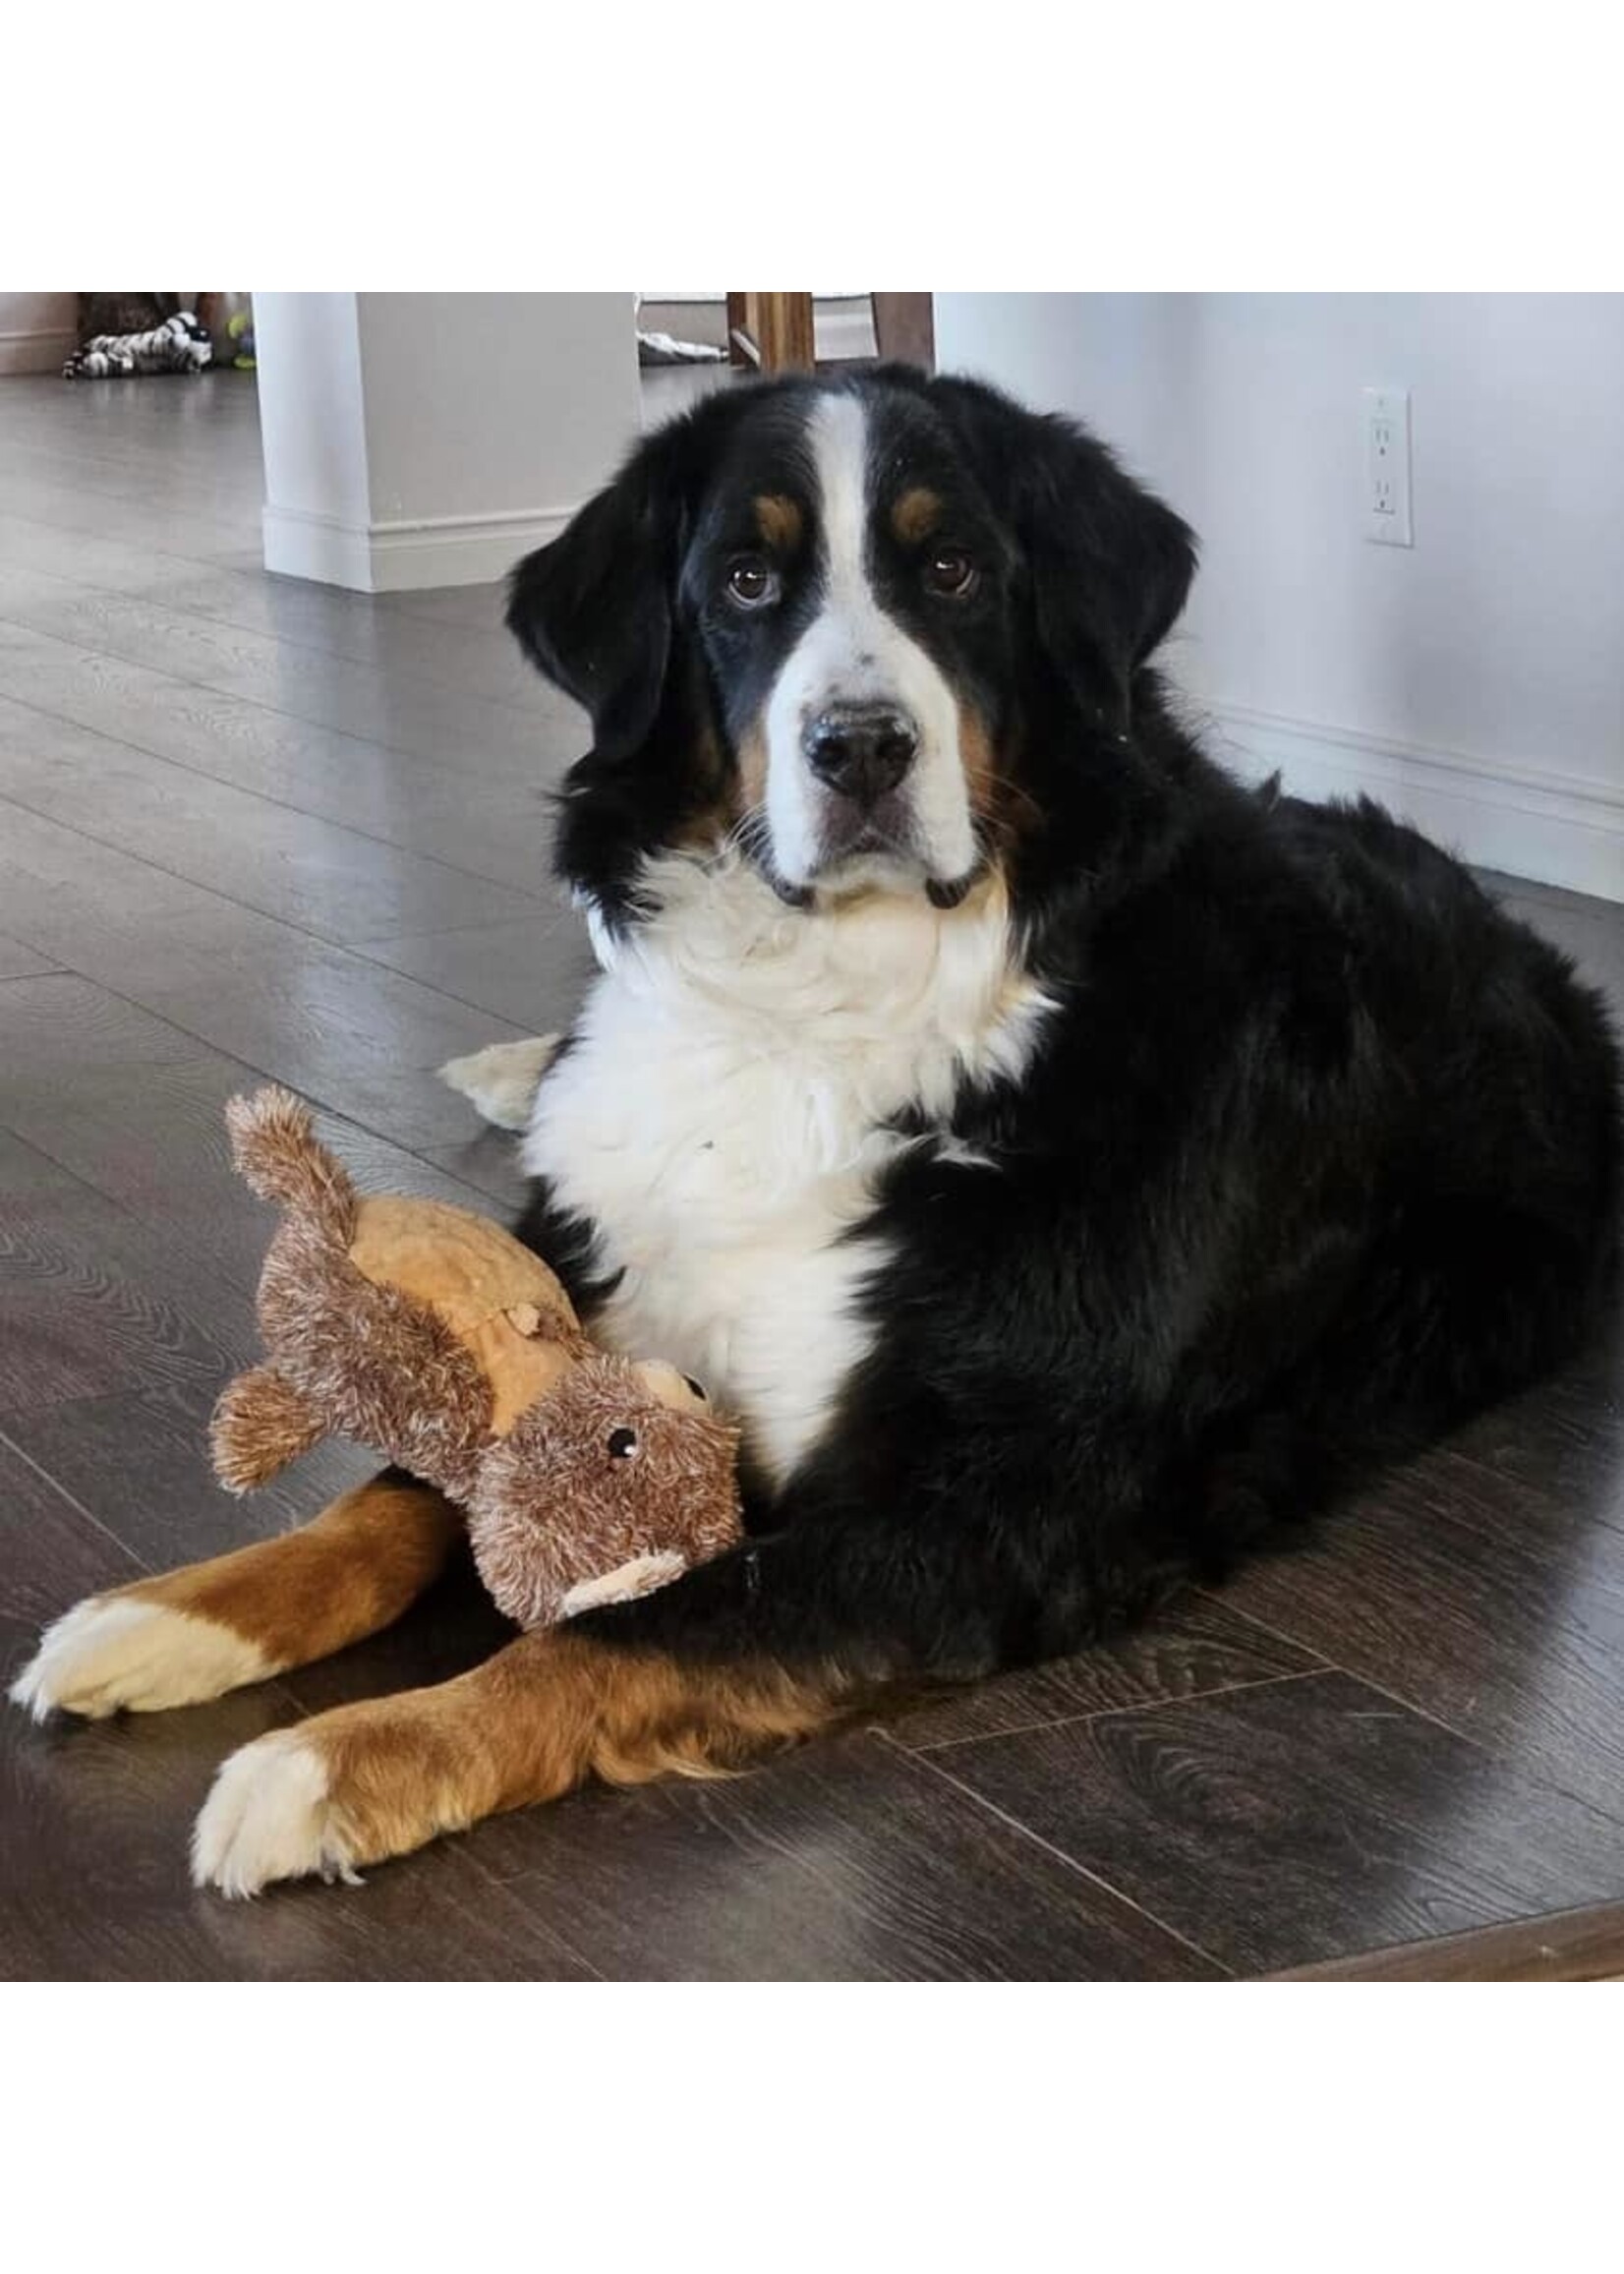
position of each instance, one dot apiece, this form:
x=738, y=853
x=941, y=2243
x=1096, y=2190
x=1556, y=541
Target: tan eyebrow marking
x=779, y=521
x=915, y=514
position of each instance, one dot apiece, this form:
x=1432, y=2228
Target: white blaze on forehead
x=853, y=652
x=840, y=459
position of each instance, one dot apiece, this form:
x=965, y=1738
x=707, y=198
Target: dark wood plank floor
x=252, y=827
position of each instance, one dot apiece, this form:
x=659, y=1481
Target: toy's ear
x=259, y=1425
x=593, y=609
x=1108, y=565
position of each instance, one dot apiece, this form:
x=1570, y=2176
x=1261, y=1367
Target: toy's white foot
x=641, y=1576
x=268, y=1816
x=116, y=1653
x=499, y=1081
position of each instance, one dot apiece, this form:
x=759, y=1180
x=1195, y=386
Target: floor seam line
x=1093, y=1878
x=1141, y=1706
x=264, y=797
x=230, y=624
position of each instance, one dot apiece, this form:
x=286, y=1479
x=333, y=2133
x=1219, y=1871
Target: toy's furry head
x=651, y=1474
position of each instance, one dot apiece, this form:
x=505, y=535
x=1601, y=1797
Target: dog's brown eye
x=752, y=583
x=622, y=1443
x=950, y=570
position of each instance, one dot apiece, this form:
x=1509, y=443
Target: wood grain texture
x=151, y=1136
x=18, y=961
x=91, y=1301
x=267, y=855
x=1194, y=1648
x=419, y=803
x=771, y=331
x=138, y=1461
x=533, y=972
x=489, y=1161
x=1578, y=1945
x=1485, y=1586
x=847, y=1861
x=1297, y=1819
x=56, y=1022
x=349, y=1034
x=65, y=503
x=421, y=717
x=476, y=655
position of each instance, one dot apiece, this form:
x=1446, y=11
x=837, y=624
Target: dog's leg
x=769, y=1641
x=500, y=1080
x=381, y=1778
x=210, y=1627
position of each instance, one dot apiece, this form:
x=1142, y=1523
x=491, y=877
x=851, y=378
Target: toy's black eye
x=950, y=572
x=622, y=1443
x=698, y=1388
x=751, y=583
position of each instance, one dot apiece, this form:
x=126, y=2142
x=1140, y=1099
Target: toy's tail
x=261, y=1424
x=274, y=1145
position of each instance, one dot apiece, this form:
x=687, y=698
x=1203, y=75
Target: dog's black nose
x=860, y=749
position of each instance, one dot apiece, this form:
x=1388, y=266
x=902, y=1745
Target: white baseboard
x=23, y=353
x=404, y=555
x=316, y=547
x=1555, y=828
x=458, y=548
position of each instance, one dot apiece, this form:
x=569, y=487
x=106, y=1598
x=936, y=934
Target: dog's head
x=878, y=630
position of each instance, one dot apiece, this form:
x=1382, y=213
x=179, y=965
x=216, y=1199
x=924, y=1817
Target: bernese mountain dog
x=1069, y=1167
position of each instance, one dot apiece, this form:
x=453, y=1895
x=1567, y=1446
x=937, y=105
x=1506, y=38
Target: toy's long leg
x=210, y=1627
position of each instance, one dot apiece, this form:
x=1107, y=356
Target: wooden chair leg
x=772, y=331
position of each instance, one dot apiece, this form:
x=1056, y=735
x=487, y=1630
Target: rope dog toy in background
x=180, y=343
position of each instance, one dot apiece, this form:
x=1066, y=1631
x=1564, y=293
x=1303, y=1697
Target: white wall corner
x=317, y=547
x=433, y=439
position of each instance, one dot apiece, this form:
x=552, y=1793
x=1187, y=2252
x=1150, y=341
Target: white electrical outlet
x=1387, y=466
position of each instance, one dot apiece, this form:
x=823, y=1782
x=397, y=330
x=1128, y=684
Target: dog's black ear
x=1109, y=565
x=593, y=609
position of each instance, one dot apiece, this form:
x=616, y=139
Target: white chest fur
x=719, y=1120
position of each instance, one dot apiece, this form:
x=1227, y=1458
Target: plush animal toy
x=179, y=343
x=429, y=1334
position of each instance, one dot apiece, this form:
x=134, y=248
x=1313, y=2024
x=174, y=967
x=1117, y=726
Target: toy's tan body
x=501, y=1302
x=433, y=1335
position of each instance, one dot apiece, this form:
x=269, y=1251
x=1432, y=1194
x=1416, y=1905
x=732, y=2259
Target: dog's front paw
x=500, y=1080
x=128, y=1654
x=269, y=1815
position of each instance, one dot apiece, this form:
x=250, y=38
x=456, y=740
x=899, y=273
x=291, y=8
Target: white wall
x=550, y=381
x=39, y=330
x=418, y=439
x=307, y=348
x=1476, y=682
